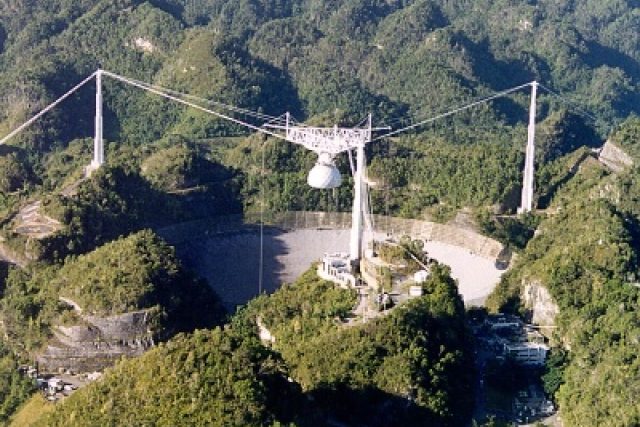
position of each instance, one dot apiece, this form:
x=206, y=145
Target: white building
x=502, y=321
x=55, y=385
x=94, y=376
x=336, y=267
x=416, y=291
x=421, y=276
x=527, y=353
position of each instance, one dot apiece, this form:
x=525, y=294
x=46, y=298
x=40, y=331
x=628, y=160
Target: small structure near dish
x=336, y=267
x=515, y=340
x=421, y=276
x=55, y=384
x=416, y=291
x=527, y=353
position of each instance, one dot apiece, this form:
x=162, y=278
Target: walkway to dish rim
x=226, y=250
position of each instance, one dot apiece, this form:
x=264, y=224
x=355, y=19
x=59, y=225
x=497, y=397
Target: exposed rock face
x=538, y=300
x=31, y=222
x=144, y=44
x=614, y=157
x=266, y=336
x=97, y=342
x=126, y=327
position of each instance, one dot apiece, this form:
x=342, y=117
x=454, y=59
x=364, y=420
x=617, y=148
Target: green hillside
x=133, y=273
x=586, y=256
x=419, y=353
x=327, y=62
x=149, y=187
x=408, y=368
x=15, y=388
x=208, y=378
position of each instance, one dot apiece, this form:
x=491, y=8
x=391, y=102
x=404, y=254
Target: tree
x=14, y=173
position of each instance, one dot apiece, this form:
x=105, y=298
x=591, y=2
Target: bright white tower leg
x=355, y=246
x=526, y=204
x=98, y=142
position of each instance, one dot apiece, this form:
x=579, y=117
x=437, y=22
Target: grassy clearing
x=31, y=411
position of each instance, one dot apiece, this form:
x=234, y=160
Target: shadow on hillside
x=600, y=55
x=545, y=199
x=230, y=262
x=10, y=149
x=373, y=407
x=346, y=406
x=342, y=405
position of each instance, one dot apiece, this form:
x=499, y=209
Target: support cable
x=362, y=122
x=568, y=102
x=280, y=120
x=235, y=109
x=406, y=119
x=46, y=109
x=178, y=97
x=191, y=104
x=454, y=111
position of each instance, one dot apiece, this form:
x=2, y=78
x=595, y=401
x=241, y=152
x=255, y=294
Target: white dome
x=324, y=176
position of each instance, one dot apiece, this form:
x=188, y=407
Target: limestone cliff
x=94, y=343
x=615, y=157
x=540, y=304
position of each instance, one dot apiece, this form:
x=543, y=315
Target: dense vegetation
x=14, y=171
x=170, y=185
x=180, y=167
x=418, y=173
x=586, y=256
x=404, y=369
x=417, y=354
x=408, y=255
x=208, y=378
x=15, y=387
x=133, y=273
x=328, y=62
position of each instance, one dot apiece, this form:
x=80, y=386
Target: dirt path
x=31, y=222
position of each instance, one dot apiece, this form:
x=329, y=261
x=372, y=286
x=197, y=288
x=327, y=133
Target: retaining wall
x=97, y=342
x=392, y=226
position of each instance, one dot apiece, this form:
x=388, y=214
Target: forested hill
x=315, y=58
x=586, y=256
x=410, y=368
x=327, y=62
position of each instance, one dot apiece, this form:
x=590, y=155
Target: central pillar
x=526, y=204
x=355, y=246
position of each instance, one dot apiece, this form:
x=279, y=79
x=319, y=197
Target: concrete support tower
x=98, y=142
x=357, y=219
x=355, y=245
x=526, y=204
